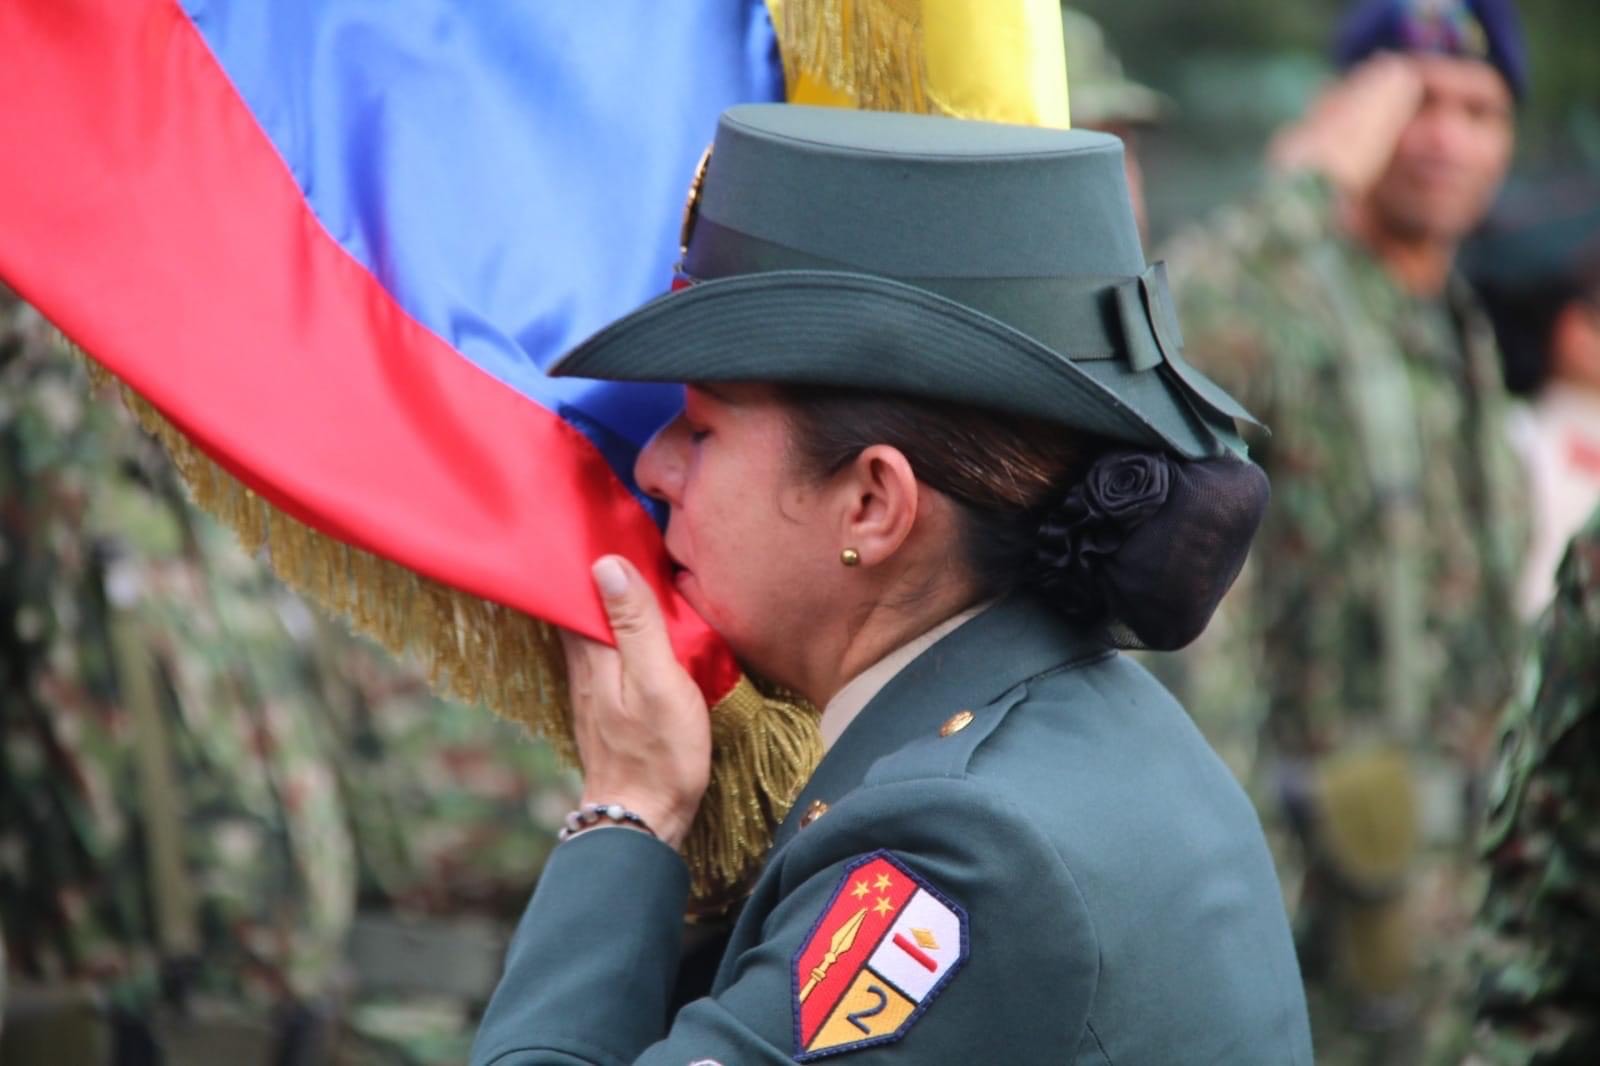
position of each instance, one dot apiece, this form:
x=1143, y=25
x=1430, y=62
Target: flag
x=998, y=60
x=329, y=246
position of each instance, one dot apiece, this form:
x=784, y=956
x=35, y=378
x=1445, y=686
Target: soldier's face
x=746, y=533
x=1452, y=156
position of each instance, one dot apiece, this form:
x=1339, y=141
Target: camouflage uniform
x=1353, y=672
x=123, y=606
x=455, y=812
x=308, y=766
x=1538, y=996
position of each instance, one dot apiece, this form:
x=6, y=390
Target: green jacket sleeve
x=589, y=972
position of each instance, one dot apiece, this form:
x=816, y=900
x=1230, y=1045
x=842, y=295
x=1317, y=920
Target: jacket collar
x=980, y=661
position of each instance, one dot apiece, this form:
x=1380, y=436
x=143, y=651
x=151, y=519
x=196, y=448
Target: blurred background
x=1234, y=70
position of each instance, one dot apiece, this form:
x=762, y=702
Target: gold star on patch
x=883, y=906
x=883, y=883
x=860, y=890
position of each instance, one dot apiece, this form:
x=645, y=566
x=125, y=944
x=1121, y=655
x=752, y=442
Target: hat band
x=1083, y=318
x=1080, y=317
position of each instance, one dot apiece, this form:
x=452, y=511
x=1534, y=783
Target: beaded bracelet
x=587, y=816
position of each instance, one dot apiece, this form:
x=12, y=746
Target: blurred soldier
x=1104, y=98
x=186, y=752
x=1374, y=636
x=1538, y=268
x=1538, y=997
x=176, y=874
x=454, y=812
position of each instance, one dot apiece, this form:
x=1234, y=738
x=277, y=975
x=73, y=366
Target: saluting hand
x=1352, y=129
x=640, y=721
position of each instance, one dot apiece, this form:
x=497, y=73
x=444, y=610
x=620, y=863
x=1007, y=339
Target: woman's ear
x=882, y=503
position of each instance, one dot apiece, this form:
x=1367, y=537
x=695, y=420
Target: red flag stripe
x=145, y=212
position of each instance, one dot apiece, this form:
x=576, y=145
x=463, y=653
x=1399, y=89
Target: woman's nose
x=659, y=469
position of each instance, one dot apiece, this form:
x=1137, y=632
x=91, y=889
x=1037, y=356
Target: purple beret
x=1477, y=29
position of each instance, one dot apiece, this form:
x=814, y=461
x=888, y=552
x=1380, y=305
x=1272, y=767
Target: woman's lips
x=678, y=570
x=682, y=580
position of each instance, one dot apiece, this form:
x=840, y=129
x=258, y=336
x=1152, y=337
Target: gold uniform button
x=956, y=723
x=813, y=812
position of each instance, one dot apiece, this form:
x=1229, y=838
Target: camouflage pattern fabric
x=455, y=808
x=1375, y=617
x=455, y=811
x=94, y=524
x=314, y=772
x=1258, y=316
x=1538, y=994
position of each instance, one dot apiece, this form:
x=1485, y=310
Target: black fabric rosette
x=1146, y=545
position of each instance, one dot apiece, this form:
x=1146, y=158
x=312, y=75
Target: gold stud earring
x=850, y=557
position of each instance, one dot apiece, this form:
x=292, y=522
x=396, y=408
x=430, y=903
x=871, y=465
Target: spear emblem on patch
x=841, y=942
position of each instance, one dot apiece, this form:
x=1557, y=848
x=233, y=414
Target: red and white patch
x=885, y=946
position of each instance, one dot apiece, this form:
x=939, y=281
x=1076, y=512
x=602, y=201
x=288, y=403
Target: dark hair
x=1524, y=321
x=1524, y=312
x=999, y=470
x=1130, y=541
x=1533, y=258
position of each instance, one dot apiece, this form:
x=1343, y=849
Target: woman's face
x=752, y=541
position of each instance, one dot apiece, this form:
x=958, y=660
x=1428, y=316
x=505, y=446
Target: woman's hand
x=642, y=727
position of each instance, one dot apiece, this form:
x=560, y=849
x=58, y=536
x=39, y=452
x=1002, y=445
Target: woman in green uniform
x=941, y=456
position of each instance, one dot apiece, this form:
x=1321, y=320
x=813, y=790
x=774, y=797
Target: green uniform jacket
x=1072, y=877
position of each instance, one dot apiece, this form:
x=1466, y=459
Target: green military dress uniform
x=1537, y=986
x=1354, y=670
x=1117, y=901
x=1021, y=850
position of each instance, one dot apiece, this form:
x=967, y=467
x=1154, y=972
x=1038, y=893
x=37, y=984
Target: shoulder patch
x=886, y=944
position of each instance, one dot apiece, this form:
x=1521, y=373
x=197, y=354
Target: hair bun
x=1145, y=545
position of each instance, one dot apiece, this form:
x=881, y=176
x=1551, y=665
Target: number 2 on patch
x=855, y=1017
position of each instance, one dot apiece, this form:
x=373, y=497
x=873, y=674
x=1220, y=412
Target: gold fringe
x=869, y=50
x=764, y=747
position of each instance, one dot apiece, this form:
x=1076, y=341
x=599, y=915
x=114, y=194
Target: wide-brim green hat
x=942, y=258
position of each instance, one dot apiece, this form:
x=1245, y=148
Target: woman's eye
x=698, y=435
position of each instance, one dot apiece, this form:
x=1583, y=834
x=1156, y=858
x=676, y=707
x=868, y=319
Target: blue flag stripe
x=512, y=173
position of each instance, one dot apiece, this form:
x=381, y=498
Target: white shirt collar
x=858, y=692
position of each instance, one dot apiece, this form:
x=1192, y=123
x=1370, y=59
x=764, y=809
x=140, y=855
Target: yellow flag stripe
x=1000, y=60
